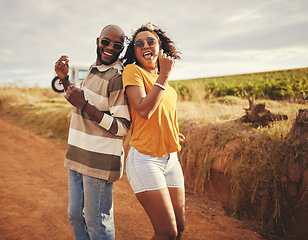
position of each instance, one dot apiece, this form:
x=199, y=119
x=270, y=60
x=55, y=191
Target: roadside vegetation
x=252, y=161
x=291, y=85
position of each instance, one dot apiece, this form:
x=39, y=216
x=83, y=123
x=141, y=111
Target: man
x=94, y=154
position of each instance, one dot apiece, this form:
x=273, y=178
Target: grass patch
x=41, y=109
x=289, y=85
x=254, y=160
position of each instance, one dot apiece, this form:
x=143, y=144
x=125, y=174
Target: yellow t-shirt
x=158, y=135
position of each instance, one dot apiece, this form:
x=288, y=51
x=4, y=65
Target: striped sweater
x=96, y=149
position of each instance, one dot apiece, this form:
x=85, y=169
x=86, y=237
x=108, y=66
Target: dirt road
x=33, y=197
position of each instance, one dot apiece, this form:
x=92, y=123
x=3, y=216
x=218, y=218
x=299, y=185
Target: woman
x=152, y=167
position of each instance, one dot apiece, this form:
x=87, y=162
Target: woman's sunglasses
x=140, y=44
x=116, y=46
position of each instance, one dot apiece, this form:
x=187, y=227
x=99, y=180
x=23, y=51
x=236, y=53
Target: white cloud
x=216, y=37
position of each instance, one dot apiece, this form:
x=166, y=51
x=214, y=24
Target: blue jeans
x=90, y=207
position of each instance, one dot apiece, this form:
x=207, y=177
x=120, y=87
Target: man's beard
x=99, y=56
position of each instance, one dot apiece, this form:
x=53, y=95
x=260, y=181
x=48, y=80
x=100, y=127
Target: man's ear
x=125, y=41
x=97, y=41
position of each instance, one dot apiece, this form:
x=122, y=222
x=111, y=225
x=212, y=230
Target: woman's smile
x=147, y=55
x=146, y=50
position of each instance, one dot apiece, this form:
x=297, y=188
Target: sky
x=216, y=38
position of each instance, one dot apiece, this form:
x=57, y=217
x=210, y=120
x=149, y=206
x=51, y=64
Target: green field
x=276, y=85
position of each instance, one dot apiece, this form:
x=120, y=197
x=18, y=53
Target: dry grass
x=254, y=160
x=229, y=108
x=41, y=109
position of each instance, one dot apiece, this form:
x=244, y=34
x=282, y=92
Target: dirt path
x=33, y=197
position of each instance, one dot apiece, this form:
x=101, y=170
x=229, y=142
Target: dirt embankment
x=33, y=197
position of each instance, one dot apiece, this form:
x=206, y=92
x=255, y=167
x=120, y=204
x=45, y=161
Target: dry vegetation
x=46, y=112
x=246, y=168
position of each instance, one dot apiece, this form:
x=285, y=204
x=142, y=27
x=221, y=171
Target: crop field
x=276, y=85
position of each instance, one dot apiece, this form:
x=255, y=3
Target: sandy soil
x=33, y=197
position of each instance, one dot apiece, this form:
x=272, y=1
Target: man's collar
x=102, y=68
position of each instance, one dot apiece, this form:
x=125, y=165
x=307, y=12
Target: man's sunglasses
x=116, y=46
x=140, y=44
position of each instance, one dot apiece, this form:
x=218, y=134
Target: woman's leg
x=158, y=206
x=178, y=201
x=149, y=177
x=175, y=182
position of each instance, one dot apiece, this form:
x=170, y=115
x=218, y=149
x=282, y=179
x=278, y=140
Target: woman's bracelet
x=84, y=105
x=159, y=85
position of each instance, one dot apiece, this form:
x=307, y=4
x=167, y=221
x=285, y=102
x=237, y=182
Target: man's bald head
x=113, y=27
x=111, y=36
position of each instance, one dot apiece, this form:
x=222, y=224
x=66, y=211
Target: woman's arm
x=146, y=104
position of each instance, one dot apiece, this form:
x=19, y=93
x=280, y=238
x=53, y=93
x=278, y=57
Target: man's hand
x=61, y=67
x=75, y=96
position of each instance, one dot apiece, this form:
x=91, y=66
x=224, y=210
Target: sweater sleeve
x=117, y=120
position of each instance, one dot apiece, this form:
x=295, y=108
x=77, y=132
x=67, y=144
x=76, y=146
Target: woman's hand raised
x=165, y=63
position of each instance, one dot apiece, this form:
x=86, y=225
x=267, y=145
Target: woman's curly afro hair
x=164, y=41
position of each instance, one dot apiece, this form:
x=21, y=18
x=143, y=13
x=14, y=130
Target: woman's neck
x=150, y=69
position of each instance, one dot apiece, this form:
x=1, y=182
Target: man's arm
x=118, y=121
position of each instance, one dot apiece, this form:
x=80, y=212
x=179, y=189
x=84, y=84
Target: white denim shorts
x=146, y=173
